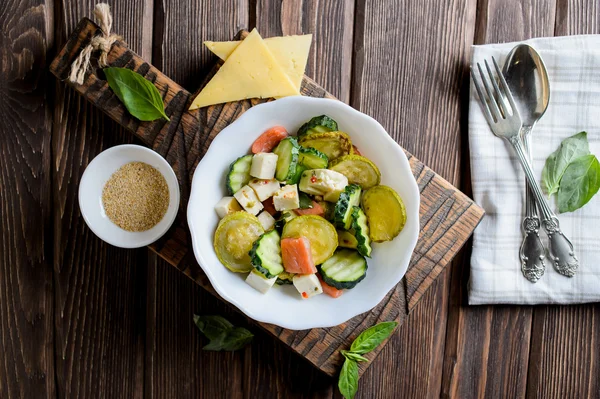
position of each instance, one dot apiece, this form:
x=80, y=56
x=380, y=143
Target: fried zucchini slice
x=318, y=124
x=332, y=144
x=385, y=212
x=320, y=233
x=234, y=238
x=358, y=169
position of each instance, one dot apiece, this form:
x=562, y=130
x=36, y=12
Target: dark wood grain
x=447, y=216
x=331, y=24
x=271, y=369
x=117, y=323
x=407, y=74
x=176, y=366
x=565, y=340
x=99, y=289
x=487, y=347
x=26, y=284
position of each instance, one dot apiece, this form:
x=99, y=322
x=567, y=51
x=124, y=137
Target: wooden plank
x=412, y=86
x=26, y=282
x=331, y=24
x=99, y=289
x=176, y=366
x=487, y=347
x=564, y=359
x=328, y=63
x=447, y=216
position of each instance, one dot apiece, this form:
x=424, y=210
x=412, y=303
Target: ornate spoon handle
x=560, y=247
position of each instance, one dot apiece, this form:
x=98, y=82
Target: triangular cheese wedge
x=250, y=71
x=291, y=52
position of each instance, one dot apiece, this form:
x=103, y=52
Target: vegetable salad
x=305, y=210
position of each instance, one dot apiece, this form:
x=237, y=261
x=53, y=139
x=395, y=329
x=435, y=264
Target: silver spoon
x=527, y=79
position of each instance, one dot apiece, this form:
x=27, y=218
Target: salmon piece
x=356, y=150
x=269, y=207
x=269, y=139
x=329, y=290
x=317, y=209
x=297, y=257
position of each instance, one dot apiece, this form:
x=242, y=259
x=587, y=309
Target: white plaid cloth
x=573, y=65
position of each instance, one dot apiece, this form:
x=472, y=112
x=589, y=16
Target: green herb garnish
x=573, y=173
x=222, y=334
x=141, y=98
x=579, y=184
x=570, y=149
x=368, y=340
x=305, y=201
x=348, y=382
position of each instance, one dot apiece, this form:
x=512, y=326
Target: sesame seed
x=136, y=197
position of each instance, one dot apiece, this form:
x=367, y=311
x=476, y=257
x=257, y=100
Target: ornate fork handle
x=560, y=247
x=532, y=251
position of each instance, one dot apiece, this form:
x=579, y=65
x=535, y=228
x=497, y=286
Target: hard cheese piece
x=307, y=285
x=248, y=200
x=266, y=220
x=291, y=52
x=226, y=206
x=260, y=282
x=264, y=189
x=263, y=166
x=251, y=71
x=286, y=198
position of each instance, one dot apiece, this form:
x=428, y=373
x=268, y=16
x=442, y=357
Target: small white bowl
x=95, y=177
x=283, y=305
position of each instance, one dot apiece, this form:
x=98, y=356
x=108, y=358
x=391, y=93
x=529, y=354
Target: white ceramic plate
x=282, y=305
x=95, y=177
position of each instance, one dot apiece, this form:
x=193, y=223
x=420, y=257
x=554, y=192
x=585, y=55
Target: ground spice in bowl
x=136, y=197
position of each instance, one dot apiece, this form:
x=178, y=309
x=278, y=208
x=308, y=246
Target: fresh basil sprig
x=222, y=334
x=573, y=173
x=368, y=340
x=139, y=95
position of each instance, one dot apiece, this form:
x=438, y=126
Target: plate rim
x=403, y=163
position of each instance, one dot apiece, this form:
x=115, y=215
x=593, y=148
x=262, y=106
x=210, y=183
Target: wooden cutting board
x=447, y=216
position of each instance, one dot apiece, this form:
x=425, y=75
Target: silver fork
x=505, y=122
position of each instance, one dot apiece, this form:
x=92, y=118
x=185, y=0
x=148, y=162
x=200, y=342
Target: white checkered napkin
x=573, y=65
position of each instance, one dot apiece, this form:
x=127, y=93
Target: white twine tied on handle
x=102, y=42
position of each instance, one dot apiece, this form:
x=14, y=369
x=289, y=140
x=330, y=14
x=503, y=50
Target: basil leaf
x=237, y=338
x=212, y=326
x=305, y=201
x=579, y=183
x=354, y=356
x=570, y=149
x=215, y=344
x=222, y=334
x=372, y=337
x=139, y=95
x=348, y=381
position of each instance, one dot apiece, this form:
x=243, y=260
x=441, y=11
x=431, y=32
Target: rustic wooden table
x=80, y=318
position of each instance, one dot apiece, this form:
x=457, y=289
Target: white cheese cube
x=248, y=200
x=259, y=282
x=307, y=285
x=264, y=165
x=264, y=188
x=325, y=182
x=226, y=206
x=286, y=198
x=266, y=220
